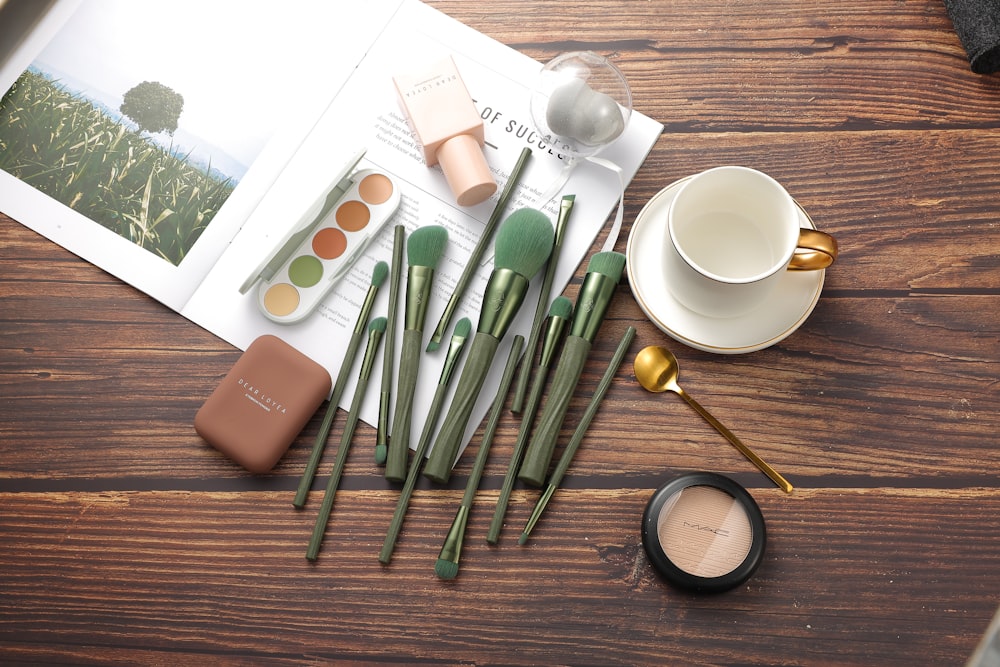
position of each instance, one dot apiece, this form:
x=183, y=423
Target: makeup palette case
x=263, y=403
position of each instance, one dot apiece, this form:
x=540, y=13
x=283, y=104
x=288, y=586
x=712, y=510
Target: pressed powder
x=703, y=532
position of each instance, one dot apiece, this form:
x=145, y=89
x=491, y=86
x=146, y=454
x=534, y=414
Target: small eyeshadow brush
x=447, y=562
x=388, y=352
x=560, y=313
x=478, y=250
x=379, y=274
x=462, y=330
x=375, y=331
x=423, y=249
x=603, y=273
x=522, y=246
x=521, y=388
x=578, y=434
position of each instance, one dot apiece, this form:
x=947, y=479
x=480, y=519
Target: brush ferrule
x=451, y=359
x=452, y=548
x=366, y=307
x=502, y=299
x=592, y=304
x=374, y=337
x=565, y=208
x=553, y=335
x=418, y=293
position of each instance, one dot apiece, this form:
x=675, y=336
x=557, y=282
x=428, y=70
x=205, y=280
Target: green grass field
x=63, y=146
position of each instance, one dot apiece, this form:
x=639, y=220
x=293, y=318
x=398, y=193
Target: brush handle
x=382, y=432
x=305, y=483
x=399, y=443
x=449, y=439
x=319, y=529
x=564, y=381
x=385, y=555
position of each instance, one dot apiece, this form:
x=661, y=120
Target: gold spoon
x=656, y=370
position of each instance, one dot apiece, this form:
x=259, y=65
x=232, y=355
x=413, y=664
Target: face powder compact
x=703, y=532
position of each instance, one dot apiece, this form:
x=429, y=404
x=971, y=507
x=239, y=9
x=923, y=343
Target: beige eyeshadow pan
x=703, y=532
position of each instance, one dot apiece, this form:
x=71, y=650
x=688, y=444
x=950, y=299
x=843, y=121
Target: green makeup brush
x=522, y=246
x=581, y=430
x=477, y=252
x=462, y=330
x=382, y=429
x=379, y=275
x=521, y=388
x=375, y=331
x=603, y=273
x=447, y=562
x=560, y=313
x=423, y=251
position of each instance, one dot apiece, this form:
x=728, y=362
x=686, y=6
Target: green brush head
x=426, y=245
x=561, y=307
x=524, y=242
x=380, y=273
x=445, y=569
x=463, y=328
x=381, y=454
x=610, y=264
x=378, y=324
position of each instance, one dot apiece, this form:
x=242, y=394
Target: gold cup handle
x=816, y=250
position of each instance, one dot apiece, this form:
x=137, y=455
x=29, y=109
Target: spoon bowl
x=657, y=371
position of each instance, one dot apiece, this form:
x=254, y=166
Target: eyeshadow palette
x=325, y=244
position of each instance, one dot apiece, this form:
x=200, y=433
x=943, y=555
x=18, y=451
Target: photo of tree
x=120, y=119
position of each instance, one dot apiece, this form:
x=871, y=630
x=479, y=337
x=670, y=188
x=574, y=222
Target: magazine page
x=140, y=136
x=367, y=115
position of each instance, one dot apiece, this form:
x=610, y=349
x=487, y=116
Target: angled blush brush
x=523, y=243
x=379, y=274
x=462, y=330
x=603, y=273
x=423, y=250
x=375, y=331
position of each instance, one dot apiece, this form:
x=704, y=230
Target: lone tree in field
x=153, y=107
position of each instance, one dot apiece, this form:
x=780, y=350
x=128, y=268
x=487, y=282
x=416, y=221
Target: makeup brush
x=560, y=313
x=379, y=274
x=581, y=430
x=375, y=331
x=523, y=243
x=478, y=250
x=603, y=273
x=446, y=566
x=521, y=388
x=396, y=269
x=423, y=251
x=462, y=330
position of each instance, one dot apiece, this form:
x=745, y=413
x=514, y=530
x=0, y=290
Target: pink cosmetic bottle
x=445, y=120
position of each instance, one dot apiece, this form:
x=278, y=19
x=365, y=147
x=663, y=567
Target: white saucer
x=788, y=306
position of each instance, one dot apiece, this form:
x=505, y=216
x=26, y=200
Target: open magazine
x=273, y=103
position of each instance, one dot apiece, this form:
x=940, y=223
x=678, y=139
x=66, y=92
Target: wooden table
x=125, y=539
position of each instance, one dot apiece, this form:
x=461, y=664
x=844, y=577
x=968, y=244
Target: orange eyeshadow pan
x=353, y=216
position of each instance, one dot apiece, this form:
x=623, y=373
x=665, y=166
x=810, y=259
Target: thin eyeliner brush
x=388, y=356
x=462, y=330
x=447, y=562
x=375, y=331
x=578, y=434
x=379, y=275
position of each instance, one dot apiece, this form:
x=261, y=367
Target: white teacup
x=731, y=234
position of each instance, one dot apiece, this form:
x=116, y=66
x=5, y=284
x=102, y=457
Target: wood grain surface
x=124, y=539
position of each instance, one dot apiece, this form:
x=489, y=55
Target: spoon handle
x=762, y=465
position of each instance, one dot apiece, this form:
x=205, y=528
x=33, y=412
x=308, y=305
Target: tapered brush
x=375, y=331
x=560, y=313
x=447, y=562
x=423, y=252
x=603, y=273
x=521, y=387
x=462, y=330
x=388, y=351
x=581, y=430
x=523, y=243
x=379, y=274
x=477, y=252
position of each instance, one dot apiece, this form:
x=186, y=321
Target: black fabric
x=977, y=23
